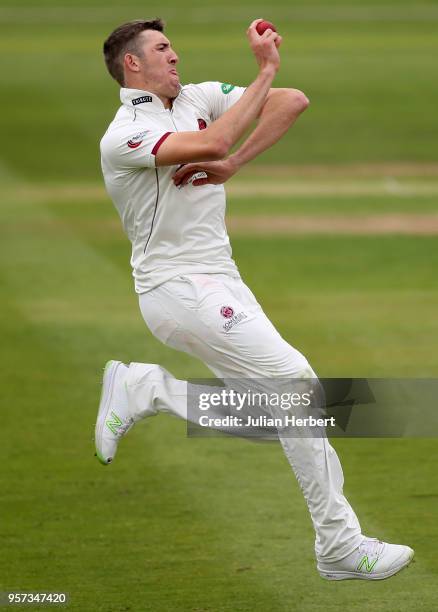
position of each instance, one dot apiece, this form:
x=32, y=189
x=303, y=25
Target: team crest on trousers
x=232, y=319
x=227, y=312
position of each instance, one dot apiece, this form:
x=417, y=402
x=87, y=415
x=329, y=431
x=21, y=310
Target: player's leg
x=135, y=392
x=188, y=314
x=142, y=390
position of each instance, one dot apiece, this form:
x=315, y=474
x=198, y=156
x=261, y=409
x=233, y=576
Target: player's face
x=158, y=64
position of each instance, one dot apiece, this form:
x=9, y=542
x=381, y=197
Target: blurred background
x=334, y=229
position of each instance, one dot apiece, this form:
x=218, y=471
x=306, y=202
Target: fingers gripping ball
x=262, y=26
x=196, y=177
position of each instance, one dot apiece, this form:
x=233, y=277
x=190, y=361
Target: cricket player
x=165, y=158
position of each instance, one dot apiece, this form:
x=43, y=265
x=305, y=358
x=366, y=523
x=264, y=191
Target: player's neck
x=144, y=86
x=167, y=102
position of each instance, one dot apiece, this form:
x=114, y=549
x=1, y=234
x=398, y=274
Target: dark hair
x=123, y=40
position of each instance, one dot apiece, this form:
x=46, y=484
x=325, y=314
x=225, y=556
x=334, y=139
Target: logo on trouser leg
x=233, y=319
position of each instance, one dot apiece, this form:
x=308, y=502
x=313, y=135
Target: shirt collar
x=141, y=99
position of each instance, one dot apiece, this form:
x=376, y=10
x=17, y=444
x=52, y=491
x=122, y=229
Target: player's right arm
x=214, y=142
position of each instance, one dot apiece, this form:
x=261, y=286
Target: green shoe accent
x=114, y=424
x=365, y=562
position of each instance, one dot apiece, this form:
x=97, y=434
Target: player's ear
x=131, y=62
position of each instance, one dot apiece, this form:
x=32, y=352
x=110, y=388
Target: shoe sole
x=104, y=404
x=361, y=576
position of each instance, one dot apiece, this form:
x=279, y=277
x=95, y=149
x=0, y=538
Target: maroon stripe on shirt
x=158, y=144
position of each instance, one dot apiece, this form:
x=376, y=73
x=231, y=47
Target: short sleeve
x=132, y=146
x=213, y=98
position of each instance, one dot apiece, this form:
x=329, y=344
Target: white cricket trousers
x=189, y=313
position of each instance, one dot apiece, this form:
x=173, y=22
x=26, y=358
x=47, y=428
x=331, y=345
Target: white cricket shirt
x=173, y=231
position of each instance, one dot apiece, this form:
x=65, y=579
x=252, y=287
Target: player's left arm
x=280, y=111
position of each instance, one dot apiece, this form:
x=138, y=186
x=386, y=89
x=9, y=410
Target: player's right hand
x=264, y=47
x=217, y=172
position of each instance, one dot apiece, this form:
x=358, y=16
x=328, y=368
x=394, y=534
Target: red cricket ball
x=262, y=26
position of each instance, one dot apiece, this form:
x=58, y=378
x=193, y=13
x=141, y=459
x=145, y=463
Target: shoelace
x=122, y=429
x=372, y=547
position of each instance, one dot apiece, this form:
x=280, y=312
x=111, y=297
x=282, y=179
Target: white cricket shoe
x=371, y=560
x=113, y=418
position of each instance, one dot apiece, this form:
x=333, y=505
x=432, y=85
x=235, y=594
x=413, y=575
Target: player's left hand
x=217, y=172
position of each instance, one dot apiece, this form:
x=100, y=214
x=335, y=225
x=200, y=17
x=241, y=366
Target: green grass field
x=214, y=524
